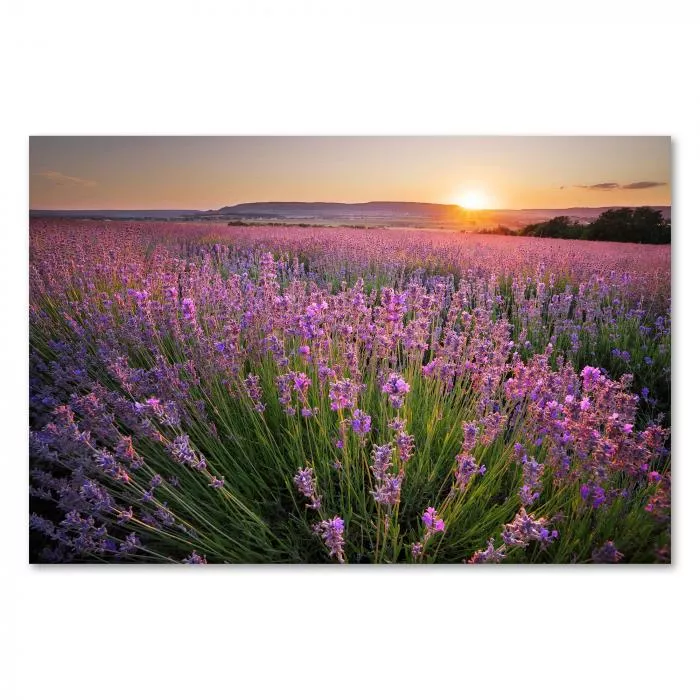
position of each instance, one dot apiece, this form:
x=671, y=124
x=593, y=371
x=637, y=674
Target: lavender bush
x=208, y=394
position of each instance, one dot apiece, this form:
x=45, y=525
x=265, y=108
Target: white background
x=506, y=67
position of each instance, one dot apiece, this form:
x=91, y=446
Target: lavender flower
x=470, y=430
x=525, y=529
x=432, y=522
x=361, y=422
x=467, y=468
x=331, y=532
x=183, y=453
x=343, y=394
x=405, y=444
x=188, y=310
x=594, y=495
x=301, y=383
x=591, y=376
x=43, y=525
x=165, y=516
x=388, y=489
x=490, y=555
x=306, y=484
x=125, y=515
x=181, y=450
x=195, y=558
x=130, y=544
x=252, y=385
x=396, y=387
x=381, y=460
x=532, y=480
x=397, y=424
x=607, y=554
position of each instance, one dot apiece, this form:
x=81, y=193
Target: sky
x=208, y=172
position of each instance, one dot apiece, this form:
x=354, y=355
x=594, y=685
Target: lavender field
x=202, y=393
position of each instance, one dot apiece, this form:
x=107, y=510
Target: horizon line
x=374, y=201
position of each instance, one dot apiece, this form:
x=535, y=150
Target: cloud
x=600, y=186
x=63, y=179
x=643, y=185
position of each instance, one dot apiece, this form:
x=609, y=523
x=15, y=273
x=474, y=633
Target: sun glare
x=474, y=199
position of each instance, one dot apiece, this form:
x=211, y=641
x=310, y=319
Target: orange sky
x=208, y=172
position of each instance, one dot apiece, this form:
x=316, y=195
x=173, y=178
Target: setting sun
x=474, y=199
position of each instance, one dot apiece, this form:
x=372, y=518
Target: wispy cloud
x=63, y=179
x=601, y=186
x=642, y=185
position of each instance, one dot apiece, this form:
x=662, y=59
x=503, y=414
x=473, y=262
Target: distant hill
x=308, y=209
x=418, y=214
x=411, y=213
x=116, y=213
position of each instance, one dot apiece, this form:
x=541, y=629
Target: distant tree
x=497, y=231
x=631, y=225
x=558, y=227
x=624, y=224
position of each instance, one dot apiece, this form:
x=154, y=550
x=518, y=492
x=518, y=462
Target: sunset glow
x=477, y=173
x=475, y=199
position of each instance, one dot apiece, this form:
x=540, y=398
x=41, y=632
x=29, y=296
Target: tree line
x=622, y=224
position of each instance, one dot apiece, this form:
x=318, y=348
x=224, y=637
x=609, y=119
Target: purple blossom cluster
x=306, y=485
x=524, y=529
x=332, y=532
x=489, y=555
x=290, y=386
x=343, y=394
x=467, y=466
x=387, y=485
x=252, y=385
x=467, y=469
x=518, y=534
x=397, y=388
x=361, y=422
x=432, y=523
x=182, y=452
x=607, y=554
x=195, y=558
x=405, y=444
x=533, y=472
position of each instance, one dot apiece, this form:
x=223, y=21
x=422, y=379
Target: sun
x=474, y=199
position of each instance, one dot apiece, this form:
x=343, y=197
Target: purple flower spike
x=607, y=554
x=306, y=485
x=332, y=532
x=432, y=522
x=195, y=558
x=490, y=555
x=343, y=394
x=396, y=387
x=361, y=422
